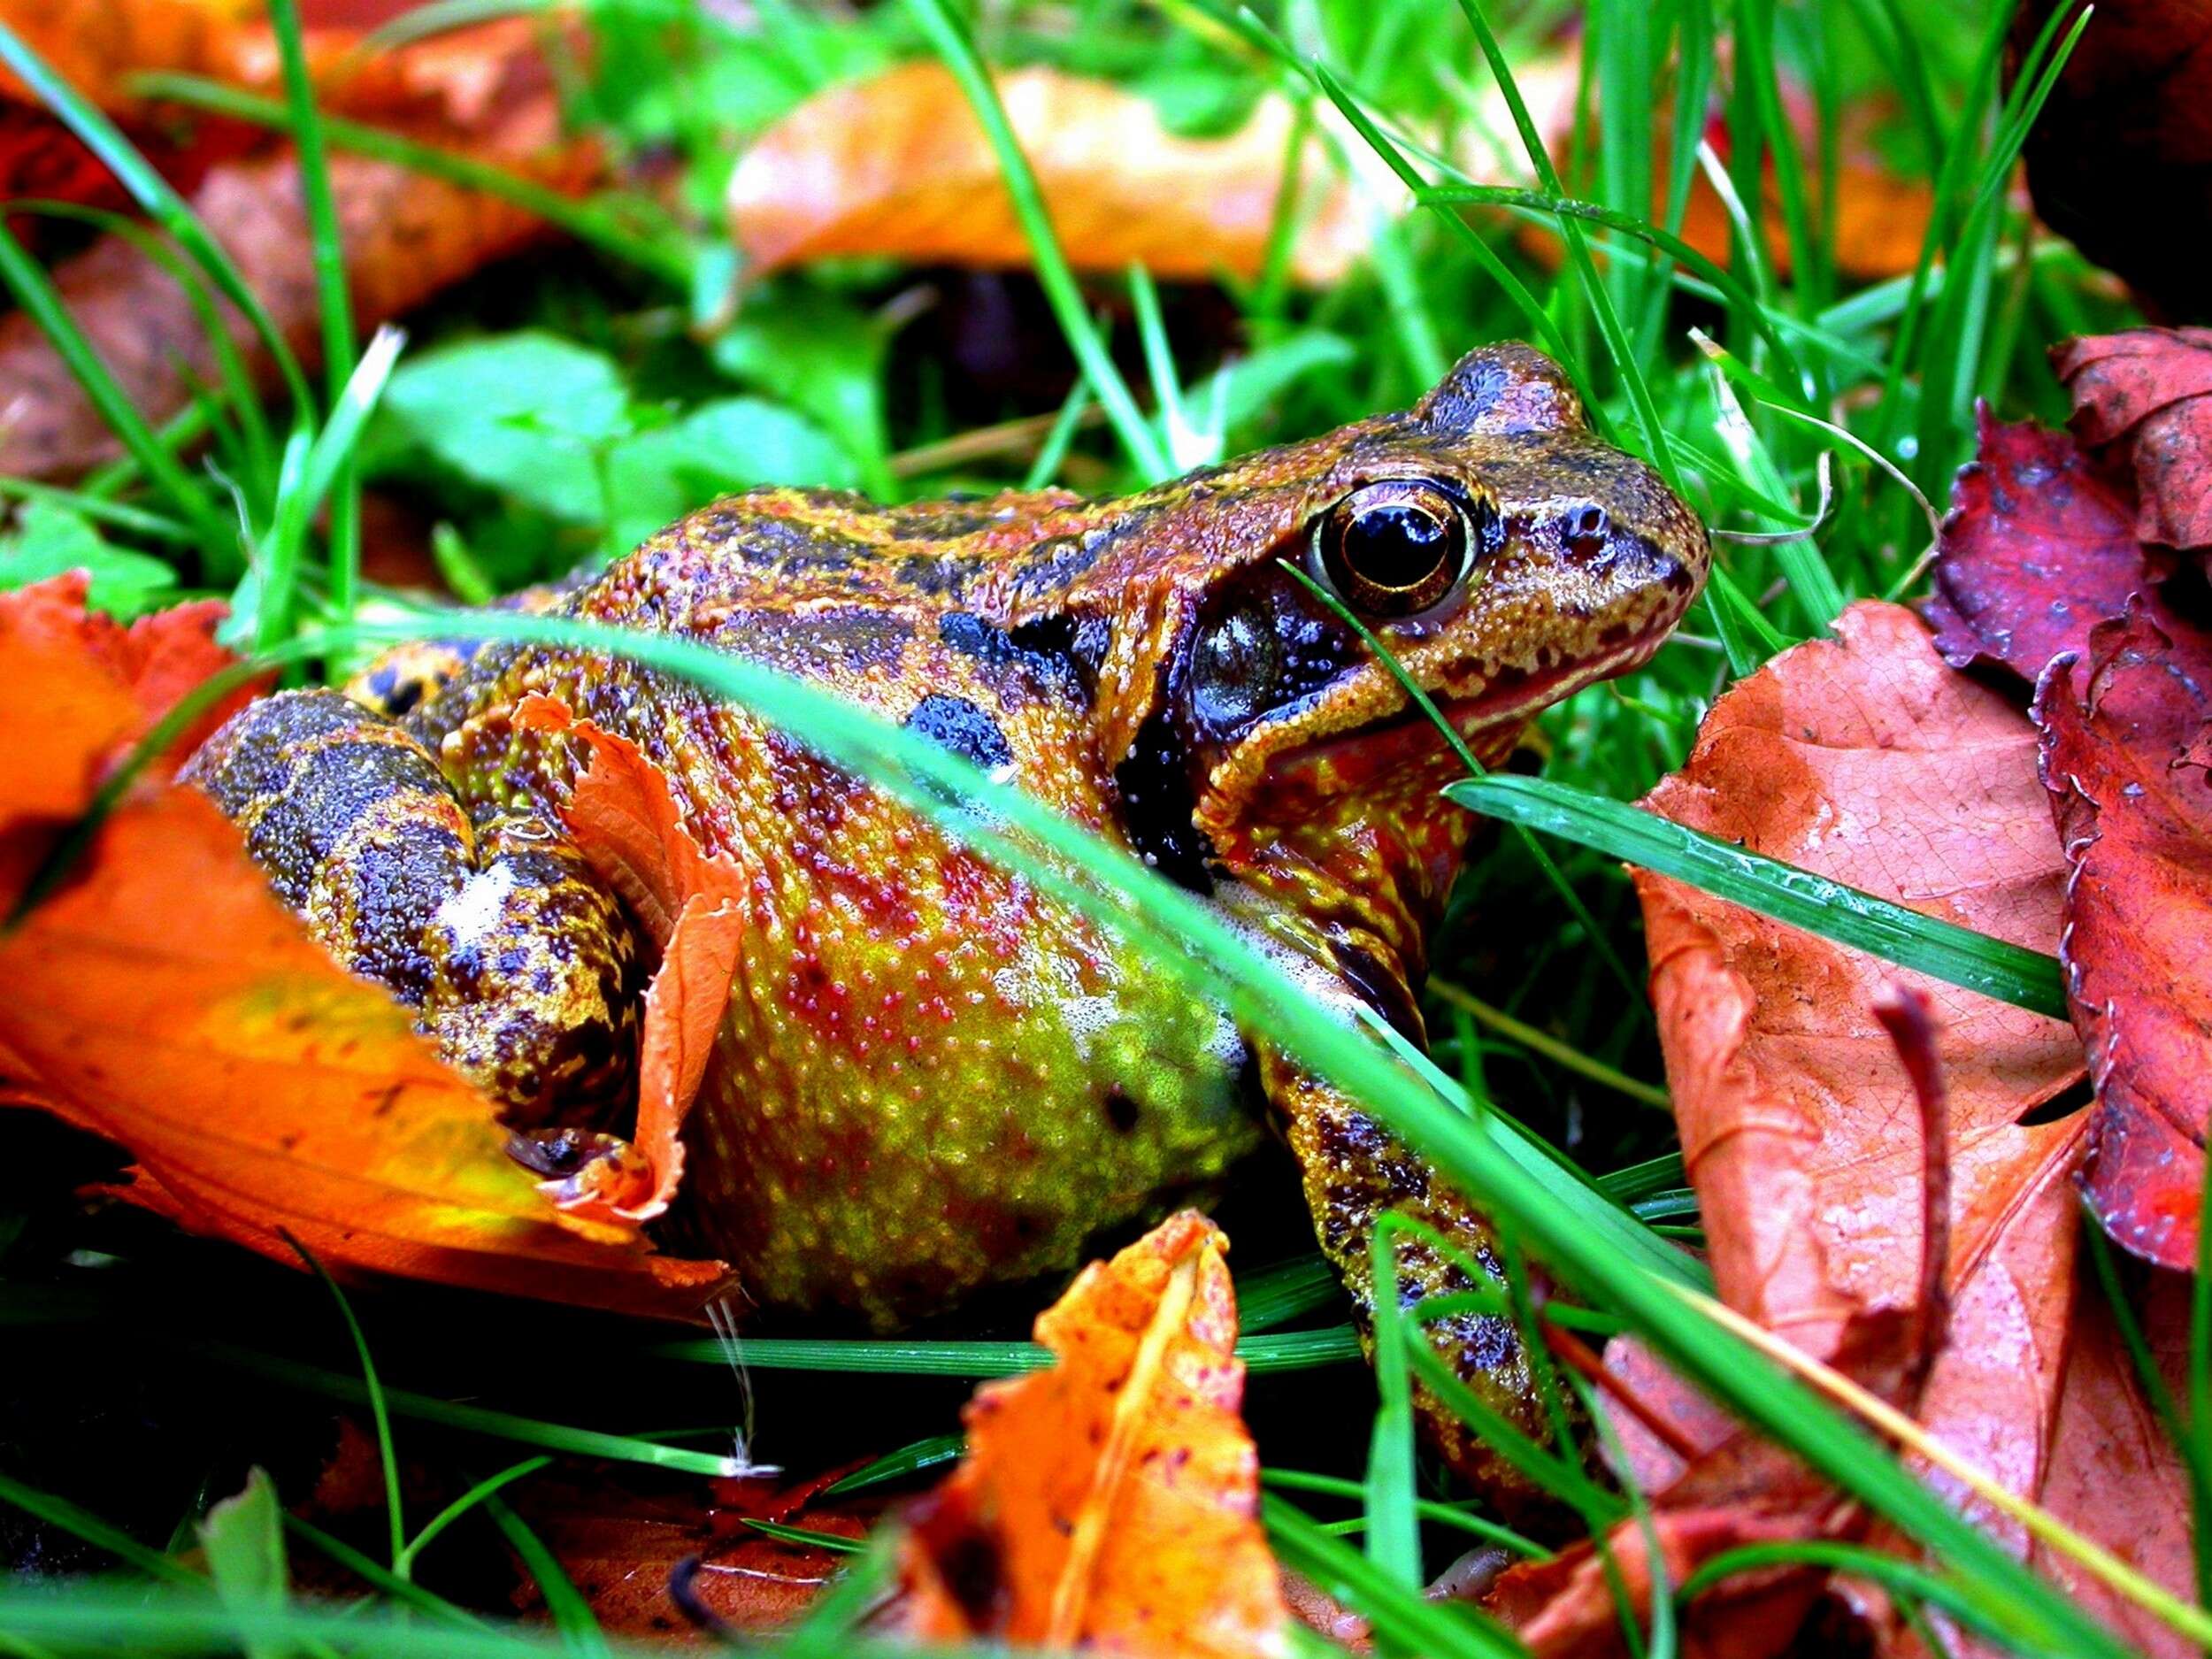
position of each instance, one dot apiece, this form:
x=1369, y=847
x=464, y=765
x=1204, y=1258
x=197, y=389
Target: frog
x=932, y=1076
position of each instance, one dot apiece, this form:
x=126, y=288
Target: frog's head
x=1503, y=554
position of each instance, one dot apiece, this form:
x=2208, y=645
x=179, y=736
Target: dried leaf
x=407, y=236
x=1110, y=1503
x=2145, y=388
x=2135, y=813
x=898, y=166
x=626, y=825
x=1865, y=759
x=2036, y=551
x=623, y=1540
x=258, y=1085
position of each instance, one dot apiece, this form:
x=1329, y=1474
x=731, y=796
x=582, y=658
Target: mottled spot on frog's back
x=963, y=728
x=772, y=540
x=1034, y=661
x=854, y=637
x=1122, y=1110
x=1053, y=562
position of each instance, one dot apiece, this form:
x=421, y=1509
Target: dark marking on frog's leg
x=408, y=677
x=1157, y=805
x=1355, y=1172
x=520, y=967
x=963, y=727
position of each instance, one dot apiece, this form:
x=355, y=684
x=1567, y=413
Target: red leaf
x=2135, y=813
x=2144, y=387
x=2036, y=551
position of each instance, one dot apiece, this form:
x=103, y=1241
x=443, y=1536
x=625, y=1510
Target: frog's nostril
x=1585, y=531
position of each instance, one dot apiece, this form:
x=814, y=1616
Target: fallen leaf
x=2035, y=552
x=2122, y=152
x=1110, y=1503
x=407, y=236
x=627, y=826
x=898, y=166
x=1864, y=758
x=257, y=1085
x=2135, y=815
x=2145, y=388
x=623, y=1541
x=83, y=688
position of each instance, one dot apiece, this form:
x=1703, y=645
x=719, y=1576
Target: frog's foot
x=521, y=967
x=1356, y=1172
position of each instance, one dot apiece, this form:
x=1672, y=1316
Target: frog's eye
x=1396, y=547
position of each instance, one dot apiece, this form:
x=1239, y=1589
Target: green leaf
x=521, y=412
x=730, y=444
x=1941, y=949
x=243, y=1539
x=817, y=353
x=49, y=538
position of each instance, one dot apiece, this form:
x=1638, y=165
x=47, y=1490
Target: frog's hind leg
x=521, y=967
x=1356, y=1172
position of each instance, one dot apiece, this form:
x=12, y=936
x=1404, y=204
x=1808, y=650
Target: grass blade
x=1925, y=944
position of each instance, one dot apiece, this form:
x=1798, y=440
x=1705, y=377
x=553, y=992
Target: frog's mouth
x=1506, y=702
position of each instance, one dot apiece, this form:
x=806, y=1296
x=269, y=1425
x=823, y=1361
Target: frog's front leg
x=520, y=965
x=1356, y=1171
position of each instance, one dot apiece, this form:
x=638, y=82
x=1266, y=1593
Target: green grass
x=260, y=507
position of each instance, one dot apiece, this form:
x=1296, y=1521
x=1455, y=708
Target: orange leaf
x=1116, y=1494
x=626, y=825
x=899, y=166
x=164, y=998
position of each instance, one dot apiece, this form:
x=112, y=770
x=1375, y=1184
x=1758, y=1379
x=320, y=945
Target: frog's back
x=931, y=1076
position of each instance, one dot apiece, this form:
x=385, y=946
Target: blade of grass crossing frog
x=1926, y=944
x=580, y=219
x=1394, y=1532
x=42, y=302
x=1581, y=1243
x=949, y=38
x=334, y=302
x=1598, y=939
x=1631, y=373
x=153, y=193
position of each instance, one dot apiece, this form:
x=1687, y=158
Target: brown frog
x=929, y=1075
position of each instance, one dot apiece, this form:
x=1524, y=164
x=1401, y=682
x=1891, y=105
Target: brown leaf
x=1865, y=759
x=898, y=166
x=1111, y=1503
x=407, y=236
x=622, y=1539
x=2122, y=152
x=2035, y=552
x=258, y=1085
x=2136, y=818
x=2145, y=388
